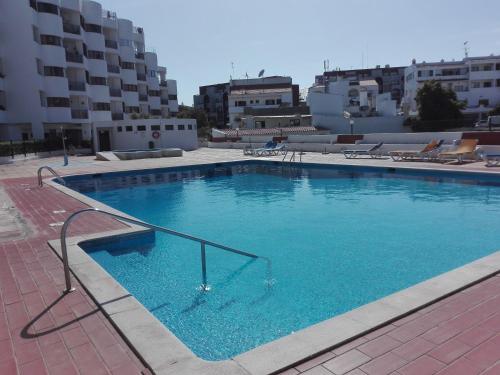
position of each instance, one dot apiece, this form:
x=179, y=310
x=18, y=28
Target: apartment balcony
x=139, y=55
x=76, y=86
x=74, y=57
x=163, y=83
x=143, y=98
x=111, y=44
x=156, y=112
x=141, y=77
x=164, y=101
x=113, y=69
x=79, y=114
x=71, y=28
x=116, y=116
x=116, y=93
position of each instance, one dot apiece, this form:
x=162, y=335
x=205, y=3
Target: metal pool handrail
x=39, y=174
x=203, y=243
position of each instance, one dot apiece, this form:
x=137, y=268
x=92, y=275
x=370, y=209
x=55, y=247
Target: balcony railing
x=117, y=116
x=141, y=77
x=156, y=112
x=76, y=86
x=164, y=101
x=111, y=44
x=74, y=57
x=117, y=93
x=79, y=113
x=71, y=28
x=113, y=69
x=143, y=98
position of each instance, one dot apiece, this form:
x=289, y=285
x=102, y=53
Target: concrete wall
x=362, y=125
x=186, y=139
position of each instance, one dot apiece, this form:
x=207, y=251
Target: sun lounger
x=425, y=153
x=466, y=146
x=373, y=152
x=492, y=160
x=256, y=151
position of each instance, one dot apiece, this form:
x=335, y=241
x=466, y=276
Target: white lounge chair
x=373, y=152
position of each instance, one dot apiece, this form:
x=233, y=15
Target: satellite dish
x=347, y=115
x=261, y=73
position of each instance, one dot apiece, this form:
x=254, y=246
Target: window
x=174, y=97
x=33, y=4
x=98, y=81
x=96, y=55
x=141, y=128
x=483, y=102
x=431, y=73
x=498, y=66
x=260, y=124
x=50, y=40
x=132, y=88
x=129, y=128
x=475, y=68
x=488, y=68
x=270, y=102
x=169, y=127
x=127, y=65
x=125, y=43
x=132, y=109
x=498, y=82
x=257, y=101
x=36, y=34
x=180, y=127
x=154, y=93
x=155, y=127
x=47, y=8
x=487, y=84
x=92, y=28
x=119, y=129
x=39, y=66
x=101, y=107
x=295, y=122
x=238, y=103
x=419, y=73
x=53, y=71
x=152, y=73
x=278, y=101
x=475, y=85
x=190, y=127
x=58, y=102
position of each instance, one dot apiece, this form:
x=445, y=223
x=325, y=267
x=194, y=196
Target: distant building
x=475, y=80
x=213, y=99
x=389, y=79
x=369, y=109
x=260, y=93
x=69, y=64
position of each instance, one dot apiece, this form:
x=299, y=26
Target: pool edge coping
x=126, y=313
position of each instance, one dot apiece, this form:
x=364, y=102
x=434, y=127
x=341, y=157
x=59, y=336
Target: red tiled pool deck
x=459, y=335
x=43, y=331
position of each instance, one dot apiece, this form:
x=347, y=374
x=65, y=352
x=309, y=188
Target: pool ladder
x=54, y=173
x=293, y=157
x=203, y=243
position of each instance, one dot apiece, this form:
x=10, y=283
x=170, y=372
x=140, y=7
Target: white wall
x=362, y=125
x=186, y=139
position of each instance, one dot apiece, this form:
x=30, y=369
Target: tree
x=204, y=126
x=436, y=103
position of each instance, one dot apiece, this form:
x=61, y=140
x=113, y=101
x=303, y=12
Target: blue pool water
x=337, y=239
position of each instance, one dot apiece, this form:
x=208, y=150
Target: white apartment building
x=69, y=63
x=372, y=110
x=260, y=93
x=475, y=80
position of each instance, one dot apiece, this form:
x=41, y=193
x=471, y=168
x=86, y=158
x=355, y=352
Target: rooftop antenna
x=261, y=73
x=232, y=69
x=466, y=48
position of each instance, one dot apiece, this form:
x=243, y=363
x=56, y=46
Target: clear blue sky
x=198, y=39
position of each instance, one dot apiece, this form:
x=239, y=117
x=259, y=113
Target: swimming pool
x=338, y=238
